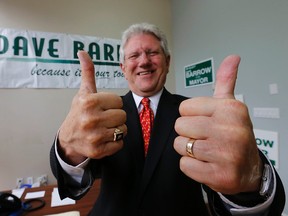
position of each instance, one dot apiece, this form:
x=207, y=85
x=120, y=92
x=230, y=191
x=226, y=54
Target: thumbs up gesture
x=88, y=130
x=224, y=151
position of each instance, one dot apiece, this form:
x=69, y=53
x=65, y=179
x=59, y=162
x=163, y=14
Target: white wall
x=256, y=30
x=29, y=118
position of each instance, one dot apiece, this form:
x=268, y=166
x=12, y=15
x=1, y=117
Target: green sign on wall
x=200, y=73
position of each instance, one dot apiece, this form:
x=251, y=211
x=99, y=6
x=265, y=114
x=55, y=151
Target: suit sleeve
x=67, y=186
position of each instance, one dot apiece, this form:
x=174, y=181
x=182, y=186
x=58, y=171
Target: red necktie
x=146, y=120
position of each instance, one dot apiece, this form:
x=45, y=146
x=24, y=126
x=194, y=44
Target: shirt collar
x=154, y=101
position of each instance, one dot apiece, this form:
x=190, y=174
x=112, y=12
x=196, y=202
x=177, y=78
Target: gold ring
x=118, y=135
x=189, y=147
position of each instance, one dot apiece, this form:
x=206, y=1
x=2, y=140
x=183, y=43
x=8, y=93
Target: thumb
x=226, y=77
x=88, y=83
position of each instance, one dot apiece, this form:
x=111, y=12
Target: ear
x=122, y=66
x=168, y=59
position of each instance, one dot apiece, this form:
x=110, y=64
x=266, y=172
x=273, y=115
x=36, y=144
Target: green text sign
x=200, y=73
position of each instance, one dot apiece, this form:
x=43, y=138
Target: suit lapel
x=167, y=113
x=133, y=140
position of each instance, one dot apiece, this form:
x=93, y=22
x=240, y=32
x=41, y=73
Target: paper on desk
x=18, y=192
x=37, y=194
x=56, y=201
x=70, y=213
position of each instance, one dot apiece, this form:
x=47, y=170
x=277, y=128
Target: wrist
x=67, y=154
x=254, y=183
x=265, y=185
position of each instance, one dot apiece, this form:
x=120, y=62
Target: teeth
x=145, y=72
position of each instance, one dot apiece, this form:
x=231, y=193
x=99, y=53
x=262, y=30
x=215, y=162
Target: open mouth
x=142, y=73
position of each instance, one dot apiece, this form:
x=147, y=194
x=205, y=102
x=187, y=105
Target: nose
x=144, y=58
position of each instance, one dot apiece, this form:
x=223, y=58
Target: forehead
x=142, y=42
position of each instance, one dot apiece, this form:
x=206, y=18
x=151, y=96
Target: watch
x=265, y=181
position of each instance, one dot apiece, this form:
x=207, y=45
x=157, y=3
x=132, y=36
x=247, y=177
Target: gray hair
x=143, y=28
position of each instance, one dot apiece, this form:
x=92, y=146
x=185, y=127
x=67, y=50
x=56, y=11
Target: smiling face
x=145, y=65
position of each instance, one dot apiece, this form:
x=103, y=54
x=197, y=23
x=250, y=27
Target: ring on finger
x=189, y=147
x=118, y=134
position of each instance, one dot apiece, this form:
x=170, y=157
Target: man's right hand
x=87, y=131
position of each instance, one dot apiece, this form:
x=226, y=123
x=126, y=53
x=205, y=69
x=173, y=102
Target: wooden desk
x=83, y=205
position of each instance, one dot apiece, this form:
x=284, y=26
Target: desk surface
x=83, y=205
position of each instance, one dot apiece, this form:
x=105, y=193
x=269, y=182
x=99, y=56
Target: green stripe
x=59, y=61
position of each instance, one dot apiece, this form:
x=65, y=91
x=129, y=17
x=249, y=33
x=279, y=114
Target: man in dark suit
x=214, y=137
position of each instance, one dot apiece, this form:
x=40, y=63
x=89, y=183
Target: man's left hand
x=225, y=152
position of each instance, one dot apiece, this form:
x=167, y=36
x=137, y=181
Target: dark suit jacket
x=134, y=185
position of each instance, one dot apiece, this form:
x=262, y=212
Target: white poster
x=30, y=59
x=267, y=142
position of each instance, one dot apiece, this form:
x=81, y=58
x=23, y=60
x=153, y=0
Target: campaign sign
x=267, y=142
x=201, y=73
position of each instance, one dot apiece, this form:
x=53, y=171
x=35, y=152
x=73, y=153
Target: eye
x=153, y=53
x=133, y=56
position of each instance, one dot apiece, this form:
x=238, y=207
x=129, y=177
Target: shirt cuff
x=236, y=209
x=76, y=172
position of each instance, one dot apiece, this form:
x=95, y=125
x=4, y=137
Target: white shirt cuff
x=76, y=172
